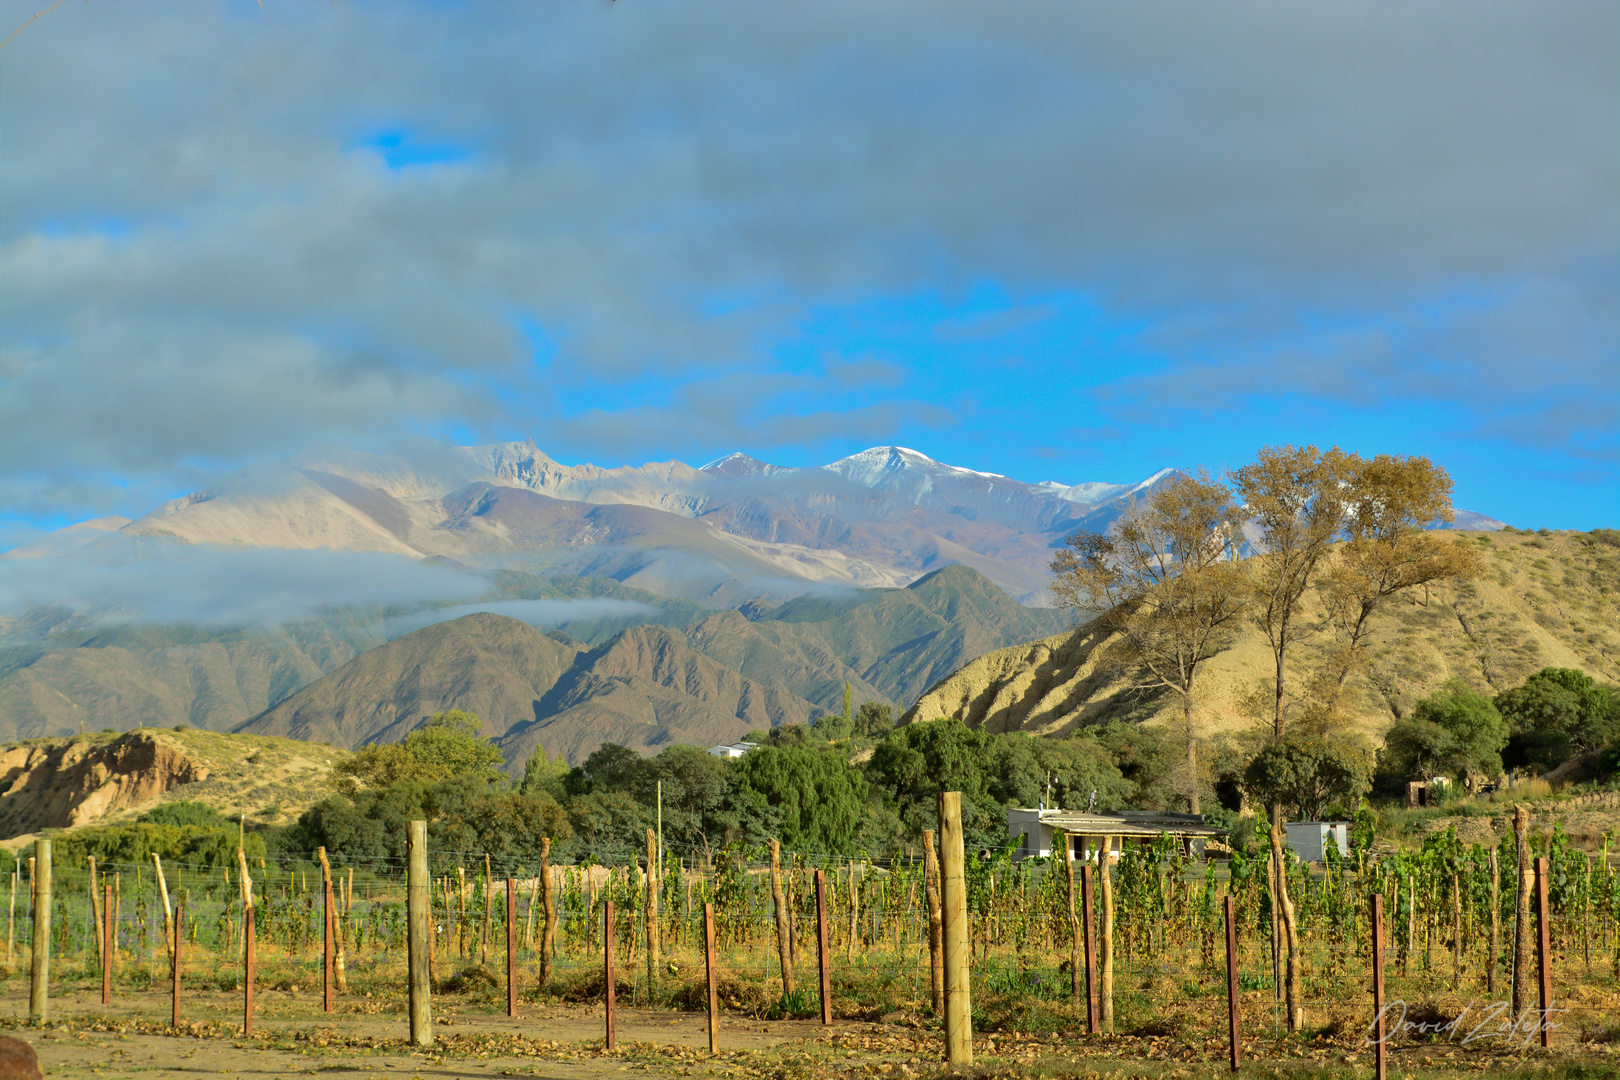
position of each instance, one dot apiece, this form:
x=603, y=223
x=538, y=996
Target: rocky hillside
x=1546, y=599
x=105, y=778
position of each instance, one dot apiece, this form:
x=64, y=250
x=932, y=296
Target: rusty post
x=1233, y=1015
x=607, y=969
x=511, y=946
x=822, y=955
x=179, y=918
x=1380, y=1060
x=709, y=974
x=1544, y=950
x=1091, y=954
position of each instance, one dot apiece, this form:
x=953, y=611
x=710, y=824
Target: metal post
x=40, y=971
x=958, y=1008
x=1233, y=1015
x=511, y=946
x=822, y=956
x=1380, y=1061
x=607, y=971
x=709, y=974
x=174, y=964
x=1091, y=955
x=1544, y=950
x=419, y=919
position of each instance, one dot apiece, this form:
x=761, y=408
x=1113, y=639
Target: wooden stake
x=1077, y=976
x=548, y=929
x=709, y=973
x=1380, y=1058
x=823, y=957
x=106, y=943
x=1091, y=959
x=651, y=911
x=1294, y=1004
x=1105, y=980
x=163, y=891
x=936, y=939
x=489, y=912
x=607, y=971
x=95, y=907
x=1522, y=941
x=40, y=971
x=419, y=921
x=461, y=912
x=249, y=954
x=11, y=920
x=1233, y=1014
x=511, y=946
x=1495, y=947
x=174, y=963
x=953, y=882
x=1544, y=950
x=784, y=949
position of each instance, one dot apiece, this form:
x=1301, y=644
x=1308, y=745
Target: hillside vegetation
x=111, y=779
x=1547, y=599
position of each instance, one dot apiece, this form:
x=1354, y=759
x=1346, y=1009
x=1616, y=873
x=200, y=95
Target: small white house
x=1036, y=829
x=735, y=750
x=1310, y=839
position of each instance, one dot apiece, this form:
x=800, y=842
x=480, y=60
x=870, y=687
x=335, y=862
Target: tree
x=1305, y=773
x=443, y=746
x=1168, y=597
x=1295, y=498
x=1556, y=714
x=1455, y=731
x=819, y=796
x=542, y=773
x=874, y=719
x=1393, y=501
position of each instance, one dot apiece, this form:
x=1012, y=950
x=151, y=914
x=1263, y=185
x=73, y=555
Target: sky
x=1066, y=242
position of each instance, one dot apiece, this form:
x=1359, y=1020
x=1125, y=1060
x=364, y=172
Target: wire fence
x=1450, y=925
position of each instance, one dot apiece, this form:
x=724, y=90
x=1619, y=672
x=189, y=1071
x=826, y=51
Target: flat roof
x=1127, y=823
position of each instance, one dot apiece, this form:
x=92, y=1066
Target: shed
x=1310, y=839
x=1036, y=828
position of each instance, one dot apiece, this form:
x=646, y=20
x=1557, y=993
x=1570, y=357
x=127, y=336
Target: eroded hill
x=1545, y=599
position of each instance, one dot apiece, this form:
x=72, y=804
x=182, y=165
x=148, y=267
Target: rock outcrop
x=57, y=784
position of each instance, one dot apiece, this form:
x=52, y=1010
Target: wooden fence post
x=40, y=970
x=95, y=907
x=511, y=946
x=651, y=913
x=419, y=922
x=1544, y=950
x=1380, y=1058
x=249, y=933
x=327, y=927
x=1091, y=955
x=607, y=972
x=548, y=911
x=936, y=940
x=163, y=891
x=174, y=963
x=106, y=942
x=1522, y=944
x=1105, y=975
x=953, y=875
x=784, y=949
x=489, y=913
x=823, y=957
x=1233, y=1000
x=1078, y=990
x=709, y=974
x=1495, y=958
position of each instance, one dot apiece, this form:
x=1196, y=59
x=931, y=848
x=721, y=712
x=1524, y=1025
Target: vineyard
x=1449, y=935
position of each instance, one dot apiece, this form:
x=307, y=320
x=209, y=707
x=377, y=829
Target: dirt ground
x=293, y=1038
x=367, y=1038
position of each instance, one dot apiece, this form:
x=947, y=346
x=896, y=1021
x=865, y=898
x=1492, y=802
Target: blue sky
x=1073, y=243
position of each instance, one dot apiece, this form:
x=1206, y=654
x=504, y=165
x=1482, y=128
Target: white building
x=1035, y=830
x=1310, y=839
x=735, y=750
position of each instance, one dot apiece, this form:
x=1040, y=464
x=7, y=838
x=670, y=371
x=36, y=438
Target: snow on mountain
x=738, y=464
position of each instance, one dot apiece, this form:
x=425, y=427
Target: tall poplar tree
x=1169, y=596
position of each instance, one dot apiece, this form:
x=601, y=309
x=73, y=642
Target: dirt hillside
x=1546, y=599
x=107, y=778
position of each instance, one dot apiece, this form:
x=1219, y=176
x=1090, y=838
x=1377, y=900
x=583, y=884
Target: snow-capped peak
x=738, y=463
x=874, y=464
